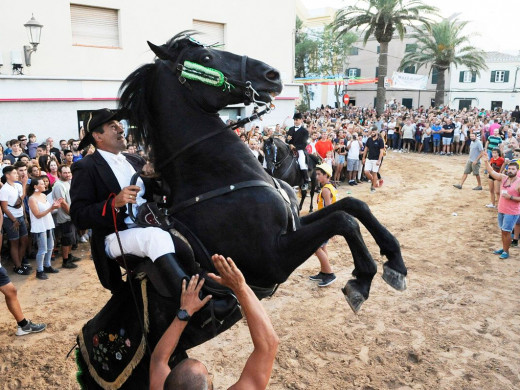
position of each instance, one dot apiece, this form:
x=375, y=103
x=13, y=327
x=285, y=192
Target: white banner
x=408, y=81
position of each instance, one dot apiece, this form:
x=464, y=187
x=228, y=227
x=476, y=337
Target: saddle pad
x=112, y=343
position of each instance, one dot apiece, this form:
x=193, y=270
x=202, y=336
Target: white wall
x=88, y=74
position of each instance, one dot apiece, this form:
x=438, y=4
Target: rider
x=297, y=138
x=191, y=373
x=108, y=172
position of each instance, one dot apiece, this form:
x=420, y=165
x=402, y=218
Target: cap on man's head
x=95, y=120
x=297, y=115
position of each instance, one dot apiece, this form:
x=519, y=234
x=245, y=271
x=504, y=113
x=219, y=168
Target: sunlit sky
x=495, y=22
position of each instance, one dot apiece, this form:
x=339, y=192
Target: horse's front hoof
x=353, y=296
x=393, y=278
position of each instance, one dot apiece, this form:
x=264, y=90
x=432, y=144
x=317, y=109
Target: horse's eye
x=206, y=58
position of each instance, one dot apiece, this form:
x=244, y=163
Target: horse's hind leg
x=305, y=241
x=303, y=194
x=394, y=270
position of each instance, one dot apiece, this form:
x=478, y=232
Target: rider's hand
x=230, y=275
x=127, y=195
x=190, y=300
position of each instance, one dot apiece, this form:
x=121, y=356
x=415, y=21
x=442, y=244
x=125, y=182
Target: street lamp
x=34, y=30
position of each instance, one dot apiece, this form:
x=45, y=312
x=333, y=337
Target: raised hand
x=229, y=275
x=190, y=300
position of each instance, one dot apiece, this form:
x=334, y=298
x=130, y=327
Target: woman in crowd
x=42, y=226
x=341, y=152
x=52, y=171
x=497, y=162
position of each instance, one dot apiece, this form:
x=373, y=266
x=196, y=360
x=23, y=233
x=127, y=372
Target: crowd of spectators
x=336, y=133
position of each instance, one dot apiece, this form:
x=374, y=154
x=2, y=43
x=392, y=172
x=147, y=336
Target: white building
x=498, y=86
x=89, y=47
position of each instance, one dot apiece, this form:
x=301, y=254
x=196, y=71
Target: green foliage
x=381, y=19
x=440, y=46
x=444, y=44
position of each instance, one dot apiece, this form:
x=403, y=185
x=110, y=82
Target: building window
x=353, y=73
x=211, y=33
x=407, y=102
x=94, y=26
x=435, y=75
x=378, y=49
x=410, y=47
x=467, y=76
x=409, y=69
x=377, y=71
x=496, y=104
x=500, y=76
x=354, y=51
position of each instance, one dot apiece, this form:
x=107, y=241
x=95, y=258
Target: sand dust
x=456, y=327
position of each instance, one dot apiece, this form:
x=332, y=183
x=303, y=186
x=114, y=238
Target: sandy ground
x=456, y=327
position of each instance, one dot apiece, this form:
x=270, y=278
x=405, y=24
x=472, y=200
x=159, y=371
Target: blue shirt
x=436, y=135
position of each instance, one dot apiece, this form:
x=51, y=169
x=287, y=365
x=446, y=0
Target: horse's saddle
x=113, y=342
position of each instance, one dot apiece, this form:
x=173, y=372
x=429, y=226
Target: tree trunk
x=383, y=69
x=439, y=91
x=307, y=95
x=337, y=92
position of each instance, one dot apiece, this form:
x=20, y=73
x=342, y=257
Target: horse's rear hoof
x=353, y=296
x=393, y=278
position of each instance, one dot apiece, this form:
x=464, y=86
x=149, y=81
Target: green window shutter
x=461, y=77
x=347, y=72
x=506, y=76
x=473, y=77
x=378, y=49
x=358, y=72
x=435, y=75
x=409, y=69
x=377, y=71
x=493, y=75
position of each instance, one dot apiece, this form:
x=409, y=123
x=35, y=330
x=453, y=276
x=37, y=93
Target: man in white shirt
x=101, y=180
x=11, y=201
x=354, y=147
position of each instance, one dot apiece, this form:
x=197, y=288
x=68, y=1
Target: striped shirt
x=494, y=141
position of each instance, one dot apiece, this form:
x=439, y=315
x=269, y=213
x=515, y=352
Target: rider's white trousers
x=149, y=242
x=301, y=160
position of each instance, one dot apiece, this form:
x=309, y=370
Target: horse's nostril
x=272, y=75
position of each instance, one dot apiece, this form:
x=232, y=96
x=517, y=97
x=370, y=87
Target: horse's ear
x=159, y=51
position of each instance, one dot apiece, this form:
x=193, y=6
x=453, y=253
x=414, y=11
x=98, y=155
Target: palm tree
x=441, y=47
x=381, y=18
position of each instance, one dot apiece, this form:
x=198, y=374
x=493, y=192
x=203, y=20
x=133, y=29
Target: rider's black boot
x=166, y=276
x=306, y=180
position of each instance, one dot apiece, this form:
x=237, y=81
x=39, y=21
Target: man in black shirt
x=375, y=147
x=447, y=137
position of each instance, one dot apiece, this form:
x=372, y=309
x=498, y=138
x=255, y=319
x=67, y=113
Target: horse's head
x=216, y=78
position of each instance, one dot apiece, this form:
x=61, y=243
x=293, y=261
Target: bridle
x=188, y=70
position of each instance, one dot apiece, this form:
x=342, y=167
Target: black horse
x=282, y=163
x=222, y=194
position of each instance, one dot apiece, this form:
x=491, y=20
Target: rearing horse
x=283, y=164
x=220, y=191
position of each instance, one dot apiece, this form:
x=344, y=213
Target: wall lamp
x=34, y=30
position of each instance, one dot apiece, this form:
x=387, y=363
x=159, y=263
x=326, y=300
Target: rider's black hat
x=95, y=120
x=297, y=116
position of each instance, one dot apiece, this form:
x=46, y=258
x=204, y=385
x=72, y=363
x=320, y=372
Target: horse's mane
x=135, y=94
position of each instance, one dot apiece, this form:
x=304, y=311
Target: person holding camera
x=508, y=203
